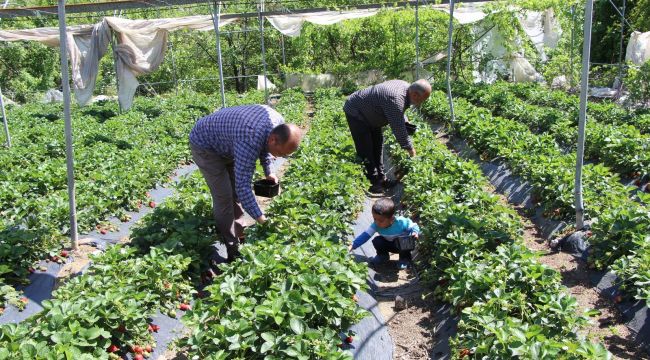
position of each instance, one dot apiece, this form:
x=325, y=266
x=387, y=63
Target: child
x=389, y=228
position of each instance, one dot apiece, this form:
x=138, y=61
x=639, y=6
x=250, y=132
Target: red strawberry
x=64, y=253
x=148, y=348
x=137, y=349
x=349, y=339
x=24, y=300
x=588, y=233
x=113, y=348
x=152, y=204
x=103, y=231
x=184, y=307
x=150, y=328
x=155, y=327
x=465, y=352
x=138, y=357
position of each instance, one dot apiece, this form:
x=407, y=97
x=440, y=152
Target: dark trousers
x=369, y=144
x=219, y=174
x=384, y=247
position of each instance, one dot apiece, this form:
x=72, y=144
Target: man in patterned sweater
x=225, y=146
x=369, y=110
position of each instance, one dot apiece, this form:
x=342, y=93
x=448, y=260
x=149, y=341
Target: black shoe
x=377, y=188
x=389, y=183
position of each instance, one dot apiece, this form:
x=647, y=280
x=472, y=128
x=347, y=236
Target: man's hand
x=273, y=178
x=411, y=152
x=415, y=235
x=349, y=247
x=261, y=219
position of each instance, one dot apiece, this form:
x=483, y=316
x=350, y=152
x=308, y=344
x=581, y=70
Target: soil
x=607, y=327
x=80, y=259
x=411, y=328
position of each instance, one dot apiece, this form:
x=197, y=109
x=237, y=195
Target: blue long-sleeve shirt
x=400, y=227
x=240, y=133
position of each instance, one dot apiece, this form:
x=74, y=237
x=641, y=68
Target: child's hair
x=384, y=207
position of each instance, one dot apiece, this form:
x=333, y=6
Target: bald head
x=419, y=92
x=284, y=140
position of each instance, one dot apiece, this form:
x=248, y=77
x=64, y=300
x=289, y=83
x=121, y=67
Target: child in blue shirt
x=389, y=228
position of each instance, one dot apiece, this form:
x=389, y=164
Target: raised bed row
x=605, y=112
x=619, y=146
x=620, y=233
x=108, y=311
x=291, y=295
x=472, y=253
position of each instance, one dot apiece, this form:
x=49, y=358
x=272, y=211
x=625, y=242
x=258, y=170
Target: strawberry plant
x=291, y=293
x=472, y=254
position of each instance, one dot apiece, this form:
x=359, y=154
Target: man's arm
x=396, y=120
x=245, y=157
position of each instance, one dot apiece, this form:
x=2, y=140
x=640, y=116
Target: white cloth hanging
x=638, y=48
x=291, y=24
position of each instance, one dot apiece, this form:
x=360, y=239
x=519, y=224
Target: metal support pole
x=620, y=48
x=266, y=89
x=117, y=79
x=584, y=87
x=4, y=120
x=69, y=152
x=216, y=16
x=417, y=40
x=174, y=75
x=284, y=56
x=573, y=26
x=451, y=30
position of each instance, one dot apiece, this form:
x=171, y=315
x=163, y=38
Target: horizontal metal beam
x=140, y=4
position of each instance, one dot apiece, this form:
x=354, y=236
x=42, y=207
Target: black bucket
x=266, y=188
x=410, y=128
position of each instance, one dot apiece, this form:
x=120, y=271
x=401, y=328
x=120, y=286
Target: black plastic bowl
x=410, y=128
x=266, y=188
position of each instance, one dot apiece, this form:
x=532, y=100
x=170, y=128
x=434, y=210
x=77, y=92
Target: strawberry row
x=292, y=292
x=472, y=253
x=605, y=112
x=622, y=222
x=107, y=312
x=620, y=147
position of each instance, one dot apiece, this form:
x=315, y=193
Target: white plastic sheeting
x=638, y=48
x=466, y=13
x=140, y=49
x=523, y=71
x=262, y=84
x=542, y=28
x=291, y=24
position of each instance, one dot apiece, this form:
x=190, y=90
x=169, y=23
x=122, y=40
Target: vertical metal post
x=284, y=56
x=117, y=78
x=266, y=89
x=584, y=87
x=174, y=76
x=573, y=26
x=65, y=79
x=4, y=120
x=620, y=48
x=451, y=30
x=417, y=40
x=216, y=17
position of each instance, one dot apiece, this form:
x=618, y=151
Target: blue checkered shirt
x=383, y=104
x=239, y=133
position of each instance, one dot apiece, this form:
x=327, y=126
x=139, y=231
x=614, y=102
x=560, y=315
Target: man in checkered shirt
x=225, y=145
x=369, y=110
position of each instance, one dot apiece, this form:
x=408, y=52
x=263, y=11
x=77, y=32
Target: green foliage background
x=385, y=42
